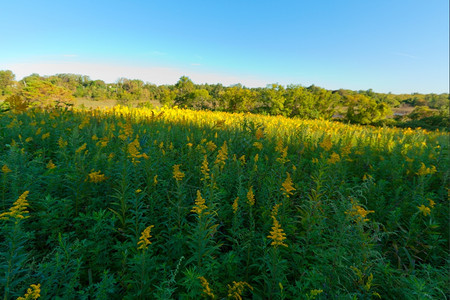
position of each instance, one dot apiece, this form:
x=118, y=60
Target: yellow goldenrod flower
x=199, y=206
x=432, y=203
x=45, y=135
x=211, y=146
x=251, y=196
x=95, y=177
x=51, y=165
x=235, y=204
x=18, y=210
x=326, y=143
x=277, y=234
x=177, y=174
x=138, y=191
x=334, y=158
x=425, y=210
x=205, y=169
x=32, y=293
x=256, y=158
x=144, y=239
x=287, y=186
x=206, y=289
x=81, y=148
x=275, y=209
x=358, y=212
x=425, y=171
x=28, y=139
x=222, y=156
x=235, y=291
x=38, y=132
x=258, y=145
x=242, y=159
x=62, y=143
x=6, y=169
x=94, y=137
x=259, y=134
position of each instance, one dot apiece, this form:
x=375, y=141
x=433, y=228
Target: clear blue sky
x=399, y=46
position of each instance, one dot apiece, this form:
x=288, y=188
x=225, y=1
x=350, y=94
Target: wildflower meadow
x=124, y=203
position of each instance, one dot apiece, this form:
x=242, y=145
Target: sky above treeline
x=399, y=46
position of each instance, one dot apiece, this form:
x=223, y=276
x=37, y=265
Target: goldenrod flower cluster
x=235, y=204
x=62, y=143
x=251, y=196
x=33, y=292
x=18, y=210
x=222, y=155
x=177, y=174
x=235, y=291
x=287, y=186
x=326, y=143
x=334, y=158
x=95, y=177
x=6, y=169
x=144, y=239
x=205, y=169
x=199, y=206
x=275, y=209
x=277, y=234
x=50, y=165
x=426, y=171
x=426, y=210
x=206, y=289
x=81, y=148
x=359, y=212
x=134, y=151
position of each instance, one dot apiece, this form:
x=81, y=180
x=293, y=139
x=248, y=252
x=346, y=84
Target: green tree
x=238, y=99
x=184, y=87
x=7, y=81
x=45, y=94
x=363, y=110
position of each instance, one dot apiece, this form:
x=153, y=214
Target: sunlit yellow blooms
x=94, y=137
x=207, y=292
x=279, y=146
x=251, y=197
x=138, y=191
x=177, y=174
x=134, y=151
x=358, y=212
x=33, y=292
x=275, y=209
x=81, y=148
x=144, y=239
x=287, y=186
x=38, y=132
x=50, y=165
x=425, y=210
x=432, y=203
x=256, y=158
x=45, y=136
x=62, y=143
x=211, y=146
x=18, y=210
x=277, y=234
x=259, y=134
x=334, y=158
x=205, y=169
x=96, y=177
x=222, y=155
x=314, y=293
x=426, y=171
x=235, y=204
x=28, y=139
x=235, y=291
x=315, y=160
x=326, y=143
x=6, y=169
x=283, y=154
x=199, y=206
x=258, y=145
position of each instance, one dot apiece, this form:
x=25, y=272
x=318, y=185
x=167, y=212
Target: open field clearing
x=131, y=203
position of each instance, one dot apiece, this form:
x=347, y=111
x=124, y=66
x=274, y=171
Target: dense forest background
x=429, y=111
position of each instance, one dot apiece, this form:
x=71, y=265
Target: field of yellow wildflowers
x=128, y=203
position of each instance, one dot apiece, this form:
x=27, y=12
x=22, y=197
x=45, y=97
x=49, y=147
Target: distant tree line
x=362, y=107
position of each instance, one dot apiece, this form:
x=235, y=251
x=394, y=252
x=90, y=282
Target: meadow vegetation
x=125, y=203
